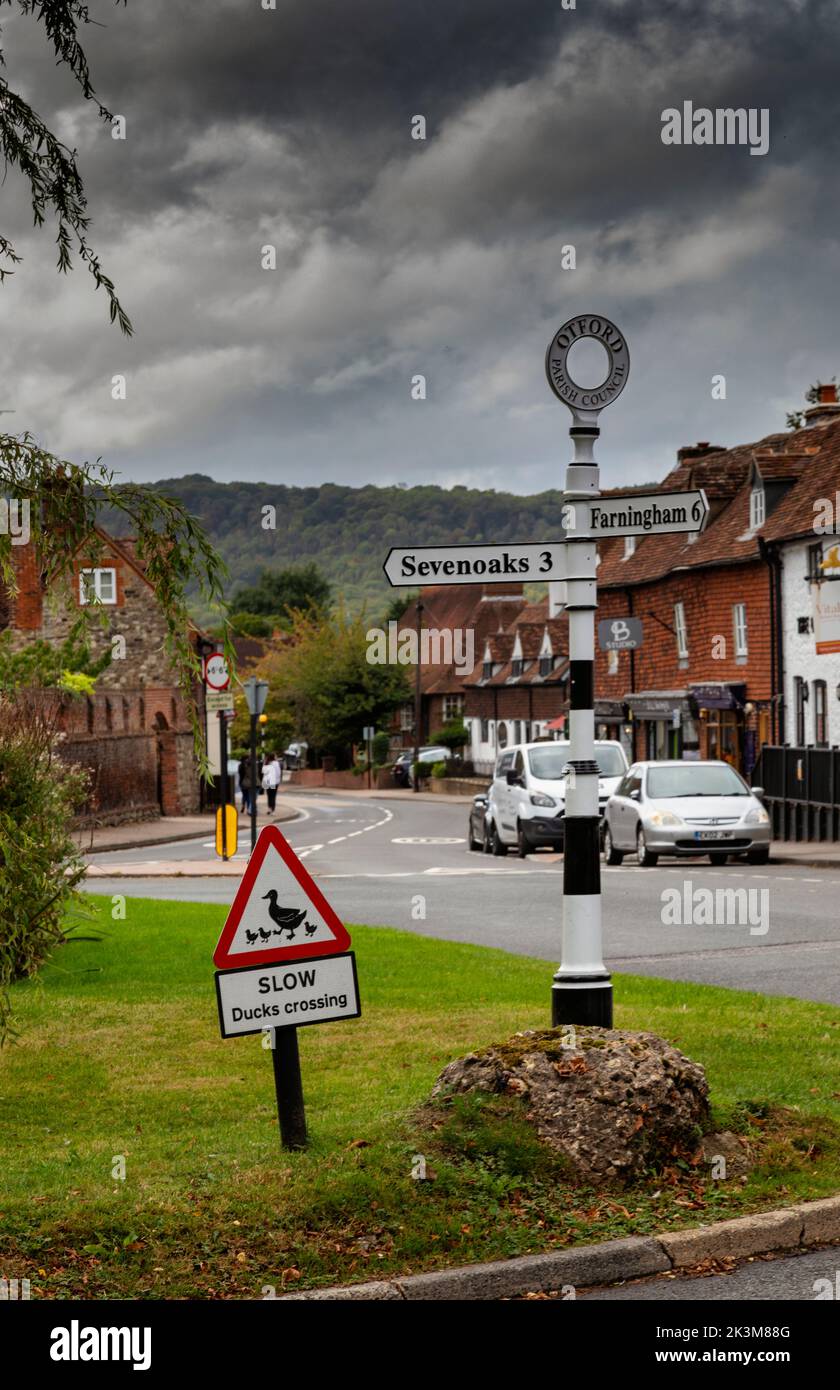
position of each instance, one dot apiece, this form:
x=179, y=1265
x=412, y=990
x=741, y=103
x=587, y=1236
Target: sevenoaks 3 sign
x=474, y=564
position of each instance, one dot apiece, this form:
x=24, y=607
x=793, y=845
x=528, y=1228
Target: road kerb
x=633, y=1257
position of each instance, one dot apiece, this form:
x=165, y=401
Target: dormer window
x=629, y=547
x=516, y=668
x=487, y=670
x=757, y=510
x=546, y=665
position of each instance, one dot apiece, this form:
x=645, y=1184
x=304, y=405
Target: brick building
x=457, y=619
x=519, y=688
x=133, y=733
x=704, y=683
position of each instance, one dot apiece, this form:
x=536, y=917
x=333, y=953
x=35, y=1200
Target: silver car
x=685, y=809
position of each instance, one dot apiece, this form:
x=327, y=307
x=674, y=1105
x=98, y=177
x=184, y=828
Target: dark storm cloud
x=248, y=127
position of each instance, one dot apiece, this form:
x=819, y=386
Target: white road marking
x=429, y=840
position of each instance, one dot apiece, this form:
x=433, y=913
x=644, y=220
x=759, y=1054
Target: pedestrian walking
x=244, y=773
x=272, y=776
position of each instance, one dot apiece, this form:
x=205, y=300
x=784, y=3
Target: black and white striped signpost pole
x=582, y=988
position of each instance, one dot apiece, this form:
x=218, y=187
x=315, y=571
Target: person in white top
x=271, y=779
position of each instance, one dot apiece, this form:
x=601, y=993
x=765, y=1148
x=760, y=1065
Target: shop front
x=720, y=718
x=663, y=726
x=609, y=717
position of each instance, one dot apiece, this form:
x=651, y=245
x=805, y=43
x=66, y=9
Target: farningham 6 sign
x=556, y=364
x=645, y=514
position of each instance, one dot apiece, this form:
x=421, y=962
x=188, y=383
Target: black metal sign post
x=288, y=1085
x=253, y=780
x=223, y=779
x=256, y=693
x=582, y=988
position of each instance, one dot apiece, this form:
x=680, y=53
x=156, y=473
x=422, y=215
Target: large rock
x=615, y=1103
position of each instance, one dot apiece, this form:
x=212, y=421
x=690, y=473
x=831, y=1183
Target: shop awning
x=557, y=724
x=609, y=711
x=724, y=695
x=657, y=704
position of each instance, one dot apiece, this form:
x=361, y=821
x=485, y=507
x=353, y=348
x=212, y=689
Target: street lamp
x=582, y=989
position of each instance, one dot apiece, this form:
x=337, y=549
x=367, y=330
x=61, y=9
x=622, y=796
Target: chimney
x=698, y=451
x=827, y=407
x=27, y=604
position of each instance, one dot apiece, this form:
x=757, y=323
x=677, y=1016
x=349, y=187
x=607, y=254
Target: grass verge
x=119, y=1065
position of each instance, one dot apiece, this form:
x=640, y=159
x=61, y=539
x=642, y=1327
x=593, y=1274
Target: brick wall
x=124, y=775
x=536, y=702
x=708, y=597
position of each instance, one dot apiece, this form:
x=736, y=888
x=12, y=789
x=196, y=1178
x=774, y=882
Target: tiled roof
x=794, y=516
x=809, y=457
x=485, y=610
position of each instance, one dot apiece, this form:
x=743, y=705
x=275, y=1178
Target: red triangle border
x=271, y=837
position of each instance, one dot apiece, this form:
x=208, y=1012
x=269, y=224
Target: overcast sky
x=395, y=256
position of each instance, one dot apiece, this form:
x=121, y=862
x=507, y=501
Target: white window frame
x=98, y=575
x=453, y=713
x=629, y=547
x=757, y=508
x=739, y=627
x=681, y=630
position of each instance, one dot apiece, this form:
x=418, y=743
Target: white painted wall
x=800, y=654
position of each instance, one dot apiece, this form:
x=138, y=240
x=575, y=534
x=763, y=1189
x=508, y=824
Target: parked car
x=295, y=755
x=527, y=801
x=477, y=831
x=402, y=770
x=432, y=754
x=686, y=809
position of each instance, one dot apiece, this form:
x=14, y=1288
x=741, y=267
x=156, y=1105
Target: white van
x=527, y=802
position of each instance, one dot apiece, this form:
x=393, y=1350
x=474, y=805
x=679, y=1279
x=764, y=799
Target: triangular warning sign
x=278, y=913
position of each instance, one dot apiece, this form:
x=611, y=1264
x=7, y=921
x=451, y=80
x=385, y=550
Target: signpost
x=216, y=673
x=641, y=513
x=474, y=564
x=582, y=989
x=256, y=694
x=219, y=701
x=619, y=634
x=367, y=734
x=283, y=962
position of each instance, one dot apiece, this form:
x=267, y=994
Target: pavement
x=164, y=830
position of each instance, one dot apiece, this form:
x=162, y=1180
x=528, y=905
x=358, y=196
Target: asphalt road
x=793, y=1279
x=405, y=863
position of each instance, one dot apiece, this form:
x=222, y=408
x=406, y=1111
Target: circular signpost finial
x=585, y=402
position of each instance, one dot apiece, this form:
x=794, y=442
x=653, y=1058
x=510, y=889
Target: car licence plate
x=713, y=834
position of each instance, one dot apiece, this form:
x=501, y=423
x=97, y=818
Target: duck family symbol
x=287, y=918
x=279, y=913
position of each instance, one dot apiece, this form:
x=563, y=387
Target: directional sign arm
x=647, y=513
x=474, y=564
